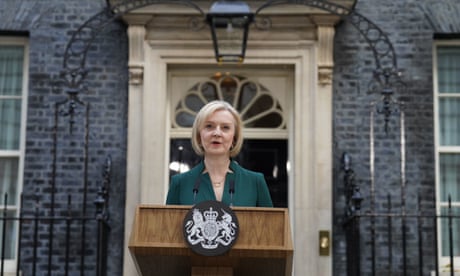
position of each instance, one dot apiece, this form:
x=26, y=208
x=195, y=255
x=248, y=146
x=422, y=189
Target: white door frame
x=310, y=137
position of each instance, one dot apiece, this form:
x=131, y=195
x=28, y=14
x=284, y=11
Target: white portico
x=296, y=51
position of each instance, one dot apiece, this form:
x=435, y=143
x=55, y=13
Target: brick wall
x=410, y=26
x=50, y=25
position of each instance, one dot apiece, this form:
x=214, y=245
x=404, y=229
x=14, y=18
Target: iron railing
x=62, y=239
x=70, y=255
x=390, y=240
x=393, y=243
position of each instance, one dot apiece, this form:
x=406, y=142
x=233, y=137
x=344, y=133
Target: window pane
x=229, y=88
x=11, y=62
x=11, y=229
x=449, y=121
x=209, y=92
x=11, y=99
x=450, y=176
x=193, y=102
x=248, y=92
x=455, y=232
x=449, y=69
x=10, y=124
x=8, y=180
x=185, y=119
x=261, y=104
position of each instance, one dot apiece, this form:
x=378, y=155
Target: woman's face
x=217, y=133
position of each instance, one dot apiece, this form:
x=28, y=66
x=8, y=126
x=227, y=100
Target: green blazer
x=251, y=190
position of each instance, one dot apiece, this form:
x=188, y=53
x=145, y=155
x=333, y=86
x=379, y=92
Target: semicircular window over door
x=261, y=100
x=257, y=107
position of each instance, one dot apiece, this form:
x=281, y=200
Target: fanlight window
x=258, y=108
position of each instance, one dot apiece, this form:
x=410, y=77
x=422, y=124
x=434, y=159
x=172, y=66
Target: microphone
x=195, y=189
x=231, y=190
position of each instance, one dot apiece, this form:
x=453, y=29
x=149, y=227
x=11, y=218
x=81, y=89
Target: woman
x=217, y=136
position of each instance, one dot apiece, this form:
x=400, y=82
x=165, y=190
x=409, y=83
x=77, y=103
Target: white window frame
x=10, y=265
x=444, y=261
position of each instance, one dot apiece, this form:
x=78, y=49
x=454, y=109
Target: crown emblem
x=211, y=215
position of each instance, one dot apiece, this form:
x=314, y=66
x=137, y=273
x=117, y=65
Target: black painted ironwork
x=102, y=217
x=380, y=44
x=74, y=69
x=352, y=189
x=353, y=210
x=43, y=232
x=402, y=250
x=387, y=82
x=58, y=229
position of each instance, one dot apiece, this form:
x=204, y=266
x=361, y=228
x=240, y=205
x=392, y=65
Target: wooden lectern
x=264, y=245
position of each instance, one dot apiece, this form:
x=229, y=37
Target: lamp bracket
x=74, y=70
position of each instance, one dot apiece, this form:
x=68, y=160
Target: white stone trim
x=310, y=133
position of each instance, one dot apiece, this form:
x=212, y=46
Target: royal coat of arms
x=210, y=228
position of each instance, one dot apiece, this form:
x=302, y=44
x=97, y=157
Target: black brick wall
x=409, y=24
x=50, y=25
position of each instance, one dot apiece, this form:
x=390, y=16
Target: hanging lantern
x=229, y=22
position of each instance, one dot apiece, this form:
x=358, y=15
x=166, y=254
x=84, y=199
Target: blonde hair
x=201, y=117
